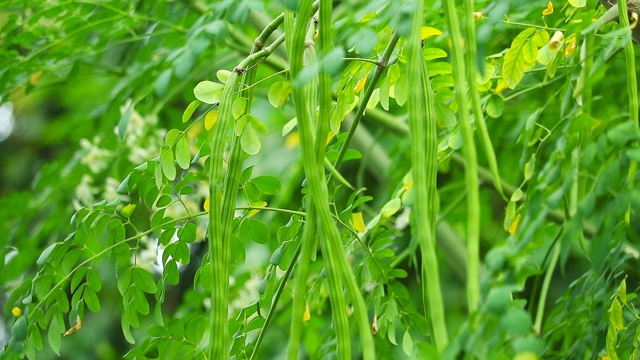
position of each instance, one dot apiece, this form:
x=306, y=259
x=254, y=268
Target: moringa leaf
x=208, y=92
x=522, y=55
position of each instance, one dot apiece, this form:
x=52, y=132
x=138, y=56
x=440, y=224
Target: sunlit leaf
x=210, y=119
x=171, y=137
x=578, y=3
x=306, y=316
x=128, y=210
x=494, y=106
x=249, y=141
x=208, y=92
x=622, y=291
x=168, y=163
x=434, y=53
x=615, y=315
x=390, y=208
x=358, y=222
x=279, y=93
x=360, y=84
x=191, y=108
x=223, y=75
x=522, y=55
x=407, y=344
x=514, y=225
x=183, y=153
x=258, y=204
x=428, y=31
x=239, y=107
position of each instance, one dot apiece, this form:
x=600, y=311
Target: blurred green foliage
x=104, y=183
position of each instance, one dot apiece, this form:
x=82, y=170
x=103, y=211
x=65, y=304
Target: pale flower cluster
x=96, y=158
x=246, y=295
x=142, y=137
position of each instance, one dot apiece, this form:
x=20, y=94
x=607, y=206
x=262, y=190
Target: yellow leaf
x=548, y=10
x=526, y=356
x=307, y=315
x=478, y=15
x=522, y=55
x=615, y=315
x=74, y=329
x=360, y=84
x=329, y=137
x=292, y=140
x=358, y=222
x=194, y=130
x=33, y=79
x=16, y=311
x=210, y=119
x=256, y=204
x=368, y=17
x=501, y=86
x=374, y=326
x=514, y=225
x=128, y=210
x=570, y=47
x=578, y=3
x=597, y=123
x=428, y=31
x=207, y=204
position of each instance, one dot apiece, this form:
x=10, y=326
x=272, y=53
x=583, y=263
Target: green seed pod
x=263, y=286
x=277, y=256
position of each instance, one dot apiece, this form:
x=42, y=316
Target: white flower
x=95, y=158
x=85, y=192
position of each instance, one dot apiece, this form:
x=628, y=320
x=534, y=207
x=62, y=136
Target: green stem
x=333, y=238
x=274, y=303
x=314, y=145
x=471, y=61
x=424, y=162
x=537, y=326
x=336, y=264
x=300, y=290
x=471, y=162
x=632, y=88
x=223, y=206
x=381, y=66
x=219, y=259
